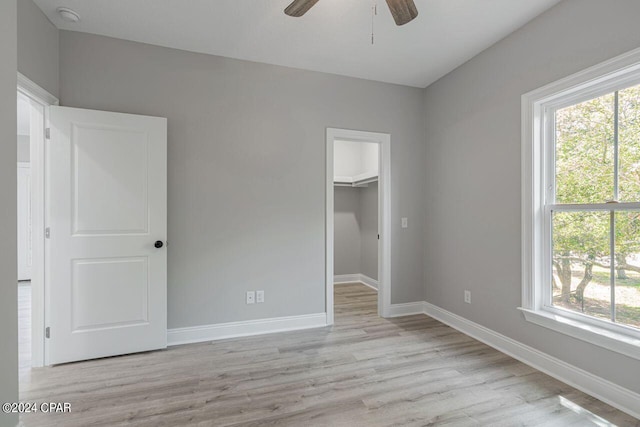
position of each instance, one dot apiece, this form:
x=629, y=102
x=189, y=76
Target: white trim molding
x=604, y=390
x=342, y=279
x=368, y=281
x=35, y=92
x=406, y=309
x=384, y=215
x=195, y=334
x=624, y=344
x=39, y=118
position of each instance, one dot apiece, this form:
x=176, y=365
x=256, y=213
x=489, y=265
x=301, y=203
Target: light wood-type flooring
x=363, y=371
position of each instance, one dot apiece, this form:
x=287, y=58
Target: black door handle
x=158, y=244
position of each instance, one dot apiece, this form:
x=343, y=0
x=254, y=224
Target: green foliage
x=581, y=234
x=629, y=147
x=584, y=151
x=585, y=135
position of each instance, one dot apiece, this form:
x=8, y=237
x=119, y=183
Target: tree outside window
x=596, y=252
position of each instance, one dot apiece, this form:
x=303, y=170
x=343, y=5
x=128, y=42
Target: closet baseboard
x=342, y=279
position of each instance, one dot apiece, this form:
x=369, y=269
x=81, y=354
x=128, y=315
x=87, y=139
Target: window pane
x=627, y=289
x=629, y=144
x=581, y=278
x=584, y=151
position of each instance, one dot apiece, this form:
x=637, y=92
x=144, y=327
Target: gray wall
x=356, y=230
x=246, y=169
x=369, y=230
x=347, y=245
x=37, y=46
x=472, y=218
x=8, y=208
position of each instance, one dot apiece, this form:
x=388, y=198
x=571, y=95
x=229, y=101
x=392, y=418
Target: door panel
x=107, y=161
x=97, y=287
x=107, y=207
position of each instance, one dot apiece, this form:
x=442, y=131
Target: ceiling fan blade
x=298, y=8
x=403, y=11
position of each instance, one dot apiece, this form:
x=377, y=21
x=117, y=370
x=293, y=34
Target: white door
x=107, y=217
x=24, y=221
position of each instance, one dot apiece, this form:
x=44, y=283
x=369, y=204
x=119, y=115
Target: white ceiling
x=333, y=37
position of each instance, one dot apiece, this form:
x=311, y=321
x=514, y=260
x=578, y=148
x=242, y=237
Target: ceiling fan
x=403, y=11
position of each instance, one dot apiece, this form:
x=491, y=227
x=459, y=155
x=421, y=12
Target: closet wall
x=347, y=241
x=369, y=230
x=356, y=230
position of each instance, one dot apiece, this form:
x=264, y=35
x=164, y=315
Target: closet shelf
x=355, y=181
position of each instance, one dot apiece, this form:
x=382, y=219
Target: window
x=581, y=205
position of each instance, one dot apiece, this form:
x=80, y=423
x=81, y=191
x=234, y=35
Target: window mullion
x=612, y=250
x=616, y=192
x=615, y=147
x=549, y=134
x=616, y=207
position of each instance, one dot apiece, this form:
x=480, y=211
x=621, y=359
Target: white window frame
x=538, y=169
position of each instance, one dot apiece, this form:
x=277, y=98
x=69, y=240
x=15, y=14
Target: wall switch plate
x=251, y=297
x=405, y=222
x=259, y=297
x=467, y=297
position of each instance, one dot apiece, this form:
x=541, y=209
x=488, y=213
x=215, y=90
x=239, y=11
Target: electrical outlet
x=251, y=297
x=259, y=297
x=467, y=297
x=405, y=222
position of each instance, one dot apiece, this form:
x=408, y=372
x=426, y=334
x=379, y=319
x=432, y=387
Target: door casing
x=40, y=102
x=384, y=215
x=24, y=221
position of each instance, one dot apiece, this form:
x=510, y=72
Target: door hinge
x=47, y=332
x=47, y=133
x=47, y=233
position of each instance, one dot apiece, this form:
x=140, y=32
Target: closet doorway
x=358, y=239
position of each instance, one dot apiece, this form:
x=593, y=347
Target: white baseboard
x=342, y=279
x=407, y=309
x=372, y=283
x=608, y=392
x=220, y=331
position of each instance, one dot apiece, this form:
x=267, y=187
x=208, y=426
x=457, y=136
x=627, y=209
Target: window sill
x=620, y=343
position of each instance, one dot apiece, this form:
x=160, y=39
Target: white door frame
x=384, y=215
x=41, y=100
x=24, y=221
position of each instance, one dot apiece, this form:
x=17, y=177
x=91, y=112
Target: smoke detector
x=68, y=15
